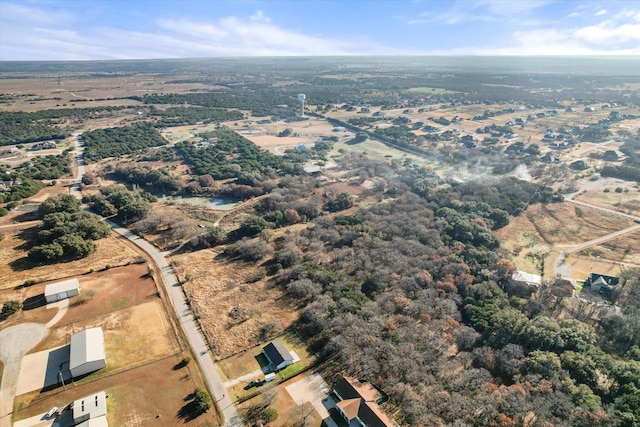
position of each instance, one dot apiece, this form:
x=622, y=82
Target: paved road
x=563, y=269
x=75, y=187
x=179, y=302
x=189, y=325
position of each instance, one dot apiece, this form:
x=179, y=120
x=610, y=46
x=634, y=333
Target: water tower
x=301, y=98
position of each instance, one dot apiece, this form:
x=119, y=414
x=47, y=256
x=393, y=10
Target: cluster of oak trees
x=67, y=232
x=414, y=294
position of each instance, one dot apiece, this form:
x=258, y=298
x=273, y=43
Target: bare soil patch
x=219, y=286
x=136, y=396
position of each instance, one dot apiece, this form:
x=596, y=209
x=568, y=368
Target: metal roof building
x=87, y=352
x=91, y=411
x=61, y=290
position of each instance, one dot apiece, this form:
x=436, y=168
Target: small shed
x=90, y=408
x=61, y=290
x=87, y=352
x=278, y=355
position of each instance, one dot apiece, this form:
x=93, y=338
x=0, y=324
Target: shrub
x=202, y=400
x=9, y=308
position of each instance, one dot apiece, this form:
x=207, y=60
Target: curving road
x=562, y=269
x=179, y=303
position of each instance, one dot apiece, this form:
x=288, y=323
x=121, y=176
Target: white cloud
x=27, y=33
x=601, y=12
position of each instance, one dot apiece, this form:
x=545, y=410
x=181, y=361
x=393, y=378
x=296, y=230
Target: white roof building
x=91, y=411
x=61, y=290
x=528, y=278
x=87, y=352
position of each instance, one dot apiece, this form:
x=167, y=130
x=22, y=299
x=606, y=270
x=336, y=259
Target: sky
x=144, y=29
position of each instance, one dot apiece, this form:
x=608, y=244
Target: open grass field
x=431, y=90
x=152, y=394
x=611, y=257
x=543, y=228
x=15, y=269
x=218, y=286
x=627, y=201
x=82, y=91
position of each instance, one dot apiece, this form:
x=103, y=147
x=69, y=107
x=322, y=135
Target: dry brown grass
x=110, y=251
x=543, y=228
x=136, y=396
x=217, y=286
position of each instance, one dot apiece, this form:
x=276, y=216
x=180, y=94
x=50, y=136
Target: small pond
x=203, y=202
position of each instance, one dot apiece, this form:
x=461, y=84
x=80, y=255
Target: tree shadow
x=34, y=302
x=189, y=410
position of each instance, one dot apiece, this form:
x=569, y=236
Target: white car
x=53, y=411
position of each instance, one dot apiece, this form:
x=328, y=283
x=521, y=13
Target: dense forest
x=229, y=156
x=118, y=141
x=21, y=127
x=414, y=295
x=67, y=232
x=181, y=116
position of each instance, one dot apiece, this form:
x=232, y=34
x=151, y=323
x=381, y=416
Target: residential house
x=579, y=165
x=358, y=403
x=601, y=282
x=277, y=355
x=527, y=279
x=613, y=155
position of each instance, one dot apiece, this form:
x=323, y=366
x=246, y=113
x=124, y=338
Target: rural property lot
x=136, y=396
x=110, y=251
x=545, y=228
x=216, y=287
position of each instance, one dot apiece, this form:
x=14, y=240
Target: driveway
x=312, y=389
x=15, y=342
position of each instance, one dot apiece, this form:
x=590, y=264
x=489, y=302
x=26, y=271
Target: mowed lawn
x=252, y=359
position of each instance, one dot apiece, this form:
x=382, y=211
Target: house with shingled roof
x=358, y=404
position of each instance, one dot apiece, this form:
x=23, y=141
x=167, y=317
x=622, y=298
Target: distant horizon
x=93, y=30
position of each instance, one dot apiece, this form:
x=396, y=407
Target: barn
x=87, y=352
x=61, y=290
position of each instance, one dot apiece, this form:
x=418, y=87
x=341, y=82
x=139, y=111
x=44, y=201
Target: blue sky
x=137, y=29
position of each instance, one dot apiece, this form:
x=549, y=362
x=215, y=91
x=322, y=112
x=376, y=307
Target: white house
x=91, y=411
x=87, y=352
x=61, y=290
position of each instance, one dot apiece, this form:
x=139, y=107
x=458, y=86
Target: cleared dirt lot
x=136, y=396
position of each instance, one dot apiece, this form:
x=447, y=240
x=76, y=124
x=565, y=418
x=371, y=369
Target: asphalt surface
x=189, y=325
x=566, y=271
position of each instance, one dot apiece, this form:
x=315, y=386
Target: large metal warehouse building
x=87, y=352
x=61, y=290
